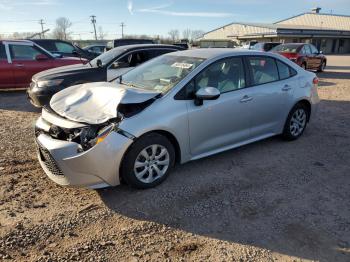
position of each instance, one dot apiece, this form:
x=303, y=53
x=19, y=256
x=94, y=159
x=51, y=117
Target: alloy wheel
x=298, y=122
x=151, y=163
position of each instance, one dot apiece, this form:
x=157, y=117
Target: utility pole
x=41, y=22
x=93, y=21
x=122, y=26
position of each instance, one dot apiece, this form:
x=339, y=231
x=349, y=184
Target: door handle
x=286, y=88
x=246, y=99
x=19, y=65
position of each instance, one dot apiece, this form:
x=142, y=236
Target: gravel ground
x=268, y=201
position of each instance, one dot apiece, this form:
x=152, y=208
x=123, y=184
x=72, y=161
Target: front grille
x=48, y=160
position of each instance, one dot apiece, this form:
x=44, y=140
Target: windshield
x=286, y=48
x=107, y=57
x=162, y=73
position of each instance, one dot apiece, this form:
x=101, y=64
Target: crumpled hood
x=95, y=103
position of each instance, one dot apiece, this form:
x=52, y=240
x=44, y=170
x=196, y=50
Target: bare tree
x=187, y=33
x=101, y=33
x=174, y=34
x=195, y=34
x=61, y=29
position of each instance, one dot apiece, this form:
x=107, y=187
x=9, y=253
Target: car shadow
x=272, y=194
x=333, y=75
x=16, y=101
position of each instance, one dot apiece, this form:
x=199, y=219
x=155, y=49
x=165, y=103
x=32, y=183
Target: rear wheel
x=148, y=161
x=296, y=122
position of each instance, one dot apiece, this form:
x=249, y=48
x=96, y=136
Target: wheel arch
x=307, y=104
x=165, y=133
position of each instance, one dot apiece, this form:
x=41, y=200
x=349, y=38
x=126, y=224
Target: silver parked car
x=178, y=107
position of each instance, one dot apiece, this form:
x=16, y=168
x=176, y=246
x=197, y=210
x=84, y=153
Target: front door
x=219, y=123
x=25, y=64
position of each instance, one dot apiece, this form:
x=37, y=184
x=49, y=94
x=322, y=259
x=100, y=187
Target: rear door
x=6, y=70
x=269, y=95
x=25, y=65
x=316, y=57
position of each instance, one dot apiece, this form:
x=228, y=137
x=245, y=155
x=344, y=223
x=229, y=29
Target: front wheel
x=322, y=67
x=296, y=122
x=148, y=161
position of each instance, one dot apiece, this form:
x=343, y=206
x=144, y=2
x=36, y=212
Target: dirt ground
x=268, y=201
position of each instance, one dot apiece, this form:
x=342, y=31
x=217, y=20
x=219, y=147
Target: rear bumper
x=94, y=168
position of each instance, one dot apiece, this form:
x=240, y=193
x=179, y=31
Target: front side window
x=24, y=52
x=64, y=47
x=161, y=73
x=263, y=69
x=225, y=75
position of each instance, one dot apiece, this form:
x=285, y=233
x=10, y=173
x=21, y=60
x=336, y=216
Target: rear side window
x=263, y=70
x=2, y=52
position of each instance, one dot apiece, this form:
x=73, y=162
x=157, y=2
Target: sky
x=151, y=17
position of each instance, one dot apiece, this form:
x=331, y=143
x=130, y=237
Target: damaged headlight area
x=86, y=137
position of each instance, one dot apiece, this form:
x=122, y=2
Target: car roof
x=207, y=53
x=14, y=41
x=138, y=46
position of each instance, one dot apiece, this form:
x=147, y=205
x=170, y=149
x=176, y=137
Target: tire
x=303, y=66
x=148, y=161
x=322, y=67
x=296, y=122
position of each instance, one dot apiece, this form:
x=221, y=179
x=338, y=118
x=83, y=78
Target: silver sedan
x=172, y=109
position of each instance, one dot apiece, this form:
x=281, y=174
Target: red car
x=305, y=55
x=21, y=59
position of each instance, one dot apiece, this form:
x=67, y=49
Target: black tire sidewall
x=127, y=167
x=286, y=131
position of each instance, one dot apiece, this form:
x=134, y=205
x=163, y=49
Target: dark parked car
x=105, y=67
x=267, y=46
x=63, y=48
x=21, y=59
x=95, y=49
x=128, y=41
x=305, y=55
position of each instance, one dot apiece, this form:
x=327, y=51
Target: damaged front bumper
x=66, y=165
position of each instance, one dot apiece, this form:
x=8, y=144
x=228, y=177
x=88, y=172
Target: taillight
x=315, y=81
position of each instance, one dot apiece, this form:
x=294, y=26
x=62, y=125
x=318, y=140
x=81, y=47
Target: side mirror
x=206, y=93
x=99, y=63
x=41, y=57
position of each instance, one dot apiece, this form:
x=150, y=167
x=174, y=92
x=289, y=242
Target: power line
x=93, y=21
x=122, y=26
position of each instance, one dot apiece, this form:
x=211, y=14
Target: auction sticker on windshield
x=182, y=65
